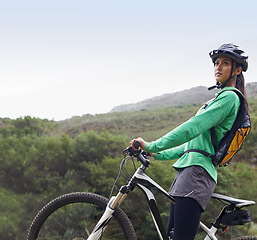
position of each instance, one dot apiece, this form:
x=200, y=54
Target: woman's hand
x=141, y=140
x=142, y=144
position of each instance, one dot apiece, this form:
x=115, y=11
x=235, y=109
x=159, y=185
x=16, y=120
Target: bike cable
x=123, y=163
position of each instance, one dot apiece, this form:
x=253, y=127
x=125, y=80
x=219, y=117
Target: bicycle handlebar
x=139, y=153
x=136, y=144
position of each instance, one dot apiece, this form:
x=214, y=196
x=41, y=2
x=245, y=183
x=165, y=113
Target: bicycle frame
x=145, y=183
x=232, y=213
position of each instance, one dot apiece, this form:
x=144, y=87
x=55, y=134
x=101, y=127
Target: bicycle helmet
x=235, y=54
x=232, y=51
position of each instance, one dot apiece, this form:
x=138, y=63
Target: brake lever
x=132, y=152
x=126, y=150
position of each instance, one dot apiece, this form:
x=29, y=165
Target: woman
x=197, y=177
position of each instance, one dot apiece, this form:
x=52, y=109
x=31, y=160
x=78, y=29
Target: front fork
x=108, y=214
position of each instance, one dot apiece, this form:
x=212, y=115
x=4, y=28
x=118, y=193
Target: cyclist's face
x=222, y=69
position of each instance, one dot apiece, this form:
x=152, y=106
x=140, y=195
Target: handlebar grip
x=136, y=144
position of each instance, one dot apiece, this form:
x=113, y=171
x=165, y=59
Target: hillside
x=149, y=123
x=42, y=159
x=194, y=95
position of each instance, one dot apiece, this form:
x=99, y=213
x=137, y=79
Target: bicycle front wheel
x=73, y=216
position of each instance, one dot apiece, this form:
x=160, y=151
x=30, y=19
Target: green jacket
x=220, y=113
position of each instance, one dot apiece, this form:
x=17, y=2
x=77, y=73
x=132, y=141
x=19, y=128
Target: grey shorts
x=193, y=182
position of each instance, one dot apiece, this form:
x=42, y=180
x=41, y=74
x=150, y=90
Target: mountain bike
x=84, y=215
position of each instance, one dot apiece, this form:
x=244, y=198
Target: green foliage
x=104, y=174
x=12, y=220
x=43, y=159
x=26, y=126
x=93, y=146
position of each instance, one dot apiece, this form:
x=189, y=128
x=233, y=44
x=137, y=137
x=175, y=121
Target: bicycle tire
x=82, y=210
x=246, y=238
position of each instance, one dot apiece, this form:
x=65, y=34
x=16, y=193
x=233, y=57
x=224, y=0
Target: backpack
x=231, y=143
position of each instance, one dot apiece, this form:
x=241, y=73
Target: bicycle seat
x=234, y=201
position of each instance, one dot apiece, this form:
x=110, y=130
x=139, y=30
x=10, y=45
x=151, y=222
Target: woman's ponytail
x=240, y=85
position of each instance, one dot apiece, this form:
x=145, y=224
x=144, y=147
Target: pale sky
x=60, y=58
